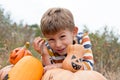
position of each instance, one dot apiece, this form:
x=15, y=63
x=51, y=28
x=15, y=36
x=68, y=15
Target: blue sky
x=93, y=13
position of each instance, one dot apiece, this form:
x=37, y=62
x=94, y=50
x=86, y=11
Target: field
x=105, y=45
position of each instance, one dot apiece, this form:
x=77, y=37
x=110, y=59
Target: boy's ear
x=75, y=31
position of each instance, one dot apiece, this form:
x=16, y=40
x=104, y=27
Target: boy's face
x=61, y=40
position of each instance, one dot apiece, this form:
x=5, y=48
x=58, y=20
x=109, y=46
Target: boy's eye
x=62, y=36
x=51, y=40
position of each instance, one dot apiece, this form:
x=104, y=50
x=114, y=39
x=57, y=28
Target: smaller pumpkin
x=27, y=68
x=73, y=61
x=18, y=53
x=4, y=71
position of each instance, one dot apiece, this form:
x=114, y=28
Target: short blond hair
x=56, y=19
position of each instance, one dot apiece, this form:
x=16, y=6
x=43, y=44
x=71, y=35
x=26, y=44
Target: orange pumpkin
x=27, y=68
x=18, y=53
x=4, y=71
x=74, y=56
x=61, y=74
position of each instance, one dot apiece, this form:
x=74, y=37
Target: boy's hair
x=56, y=19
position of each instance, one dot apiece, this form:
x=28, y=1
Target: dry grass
x=106, y=48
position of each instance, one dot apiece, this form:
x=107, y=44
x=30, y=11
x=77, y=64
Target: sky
x=95, y=14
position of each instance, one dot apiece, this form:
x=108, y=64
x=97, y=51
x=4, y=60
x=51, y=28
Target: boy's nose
x=58, y=43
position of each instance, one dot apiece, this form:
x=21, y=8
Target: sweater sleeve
x=88, y=56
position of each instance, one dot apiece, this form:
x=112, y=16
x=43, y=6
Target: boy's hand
x=39, y=45
x=48, y=67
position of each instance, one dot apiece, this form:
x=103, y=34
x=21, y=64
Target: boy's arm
x=48, y=67
x=45, y=59
x=88, y=56
x=40, y=47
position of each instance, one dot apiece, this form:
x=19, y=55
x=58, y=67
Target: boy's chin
x=62, y=54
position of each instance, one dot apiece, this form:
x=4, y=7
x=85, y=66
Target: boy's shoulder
x=82, y=34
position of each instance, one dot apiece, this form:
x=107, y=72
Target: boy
x=57, y=26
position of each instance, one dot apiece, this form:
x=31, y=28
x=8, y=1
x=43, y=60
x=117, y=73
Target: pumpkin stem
x=27, y=44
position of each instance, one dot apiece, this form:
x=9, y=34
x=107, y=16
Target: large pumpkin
x=73, y=61
x=4, y=71
x=18, y=53
x=27, y=68
x=61, y=74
